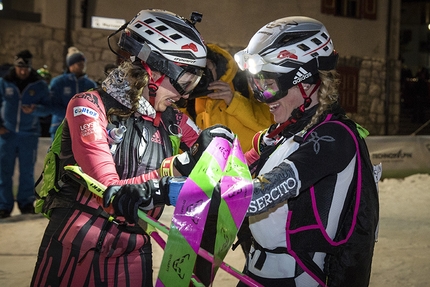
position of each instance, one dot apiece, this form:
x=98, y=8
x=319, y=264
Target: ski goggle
x=268, y=87
x=185, y=80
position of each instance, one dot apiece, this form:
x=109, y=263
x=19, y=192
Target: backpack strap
x=304, y=259
x=262, y=258
x=66, y=202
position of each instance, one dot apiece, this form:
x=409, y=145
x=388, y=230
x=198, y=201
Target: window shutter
x=348, y=89
x=368, y=9
x=328, y=7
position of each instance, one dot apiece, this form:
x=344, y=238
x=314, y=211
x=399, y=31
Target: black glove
x=185, y=162
x=127, y=199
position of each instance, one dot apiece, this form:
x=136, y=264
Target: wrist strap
x=257, y=141
x=166, y=168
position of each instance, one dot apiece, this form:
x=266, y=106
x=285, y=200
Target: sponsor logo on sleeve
x=90, y=131
x=80, y=110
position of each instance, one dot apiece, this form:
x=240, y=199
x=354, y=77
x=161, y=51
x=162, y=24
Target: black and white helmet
x=296, y=47
x=167, y=43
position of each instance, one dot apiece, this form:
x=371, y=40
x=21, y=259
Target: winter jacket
x=63, y=88
x=12, y=99
x=244, y=116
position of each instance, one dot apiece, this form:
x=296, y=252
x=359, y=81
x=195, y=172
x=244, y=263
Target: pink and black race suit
x=81, y=247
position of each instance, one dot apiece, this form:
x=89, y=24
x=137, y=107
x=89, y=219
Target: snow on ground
x=402, y=253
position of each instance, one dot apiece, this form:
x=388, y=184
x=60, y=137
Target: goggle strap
x=279, y=129
x=151, y=80
x=153, y=88
x=157, y=119
x=306, y=97
x=298, y=113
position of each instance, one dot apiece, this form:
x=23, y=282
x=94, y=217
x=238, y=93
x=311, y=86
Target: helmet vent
x=303, y=47
x=149, y=21
x=149, y=32
x=176, y=36
x=161, y=28
x=163, y=40
x=324, y=35
x=316, y=41
x=315, y=54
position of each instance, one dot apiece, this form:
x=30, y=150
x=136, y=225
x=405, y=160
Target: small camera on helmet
x=201, y=89
x=196, y=17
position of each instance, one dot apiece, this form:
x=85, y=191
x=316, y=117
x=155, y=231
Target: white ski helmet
x=289, y=50
x=167, y=43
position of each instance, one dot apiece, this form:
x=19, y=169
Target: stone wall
x=48, y=46
x=372, y=107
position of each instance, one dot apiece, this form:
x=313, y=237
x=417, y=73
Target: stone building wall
x=372, y=108
x=48, y=46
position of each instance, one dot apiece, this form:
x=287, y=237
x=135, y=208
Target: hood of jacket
x=231, y=67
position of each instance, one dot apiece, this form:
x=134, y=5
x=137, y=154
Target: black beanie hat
x=23, y=59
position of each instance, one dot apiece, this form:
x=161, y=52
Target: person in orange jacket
x=223, y=97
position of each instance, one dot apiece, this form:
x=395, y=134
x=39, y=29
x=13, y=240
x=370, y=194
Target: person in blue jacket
x=65, y=86
x=24, y=97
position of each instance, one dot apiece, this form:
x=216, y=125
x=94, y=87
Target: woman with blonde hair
x=314, y=211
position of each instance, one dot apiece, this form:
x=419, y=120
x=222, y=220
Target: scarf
x=117, y=86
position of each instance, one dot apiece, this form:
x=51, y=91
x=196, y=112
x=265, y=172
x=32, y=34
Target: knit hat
x=74, y=56
x=23, y=59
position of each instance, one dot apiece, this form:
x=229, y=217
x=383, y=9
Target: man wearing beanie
x=24, y=97
x=65, y=86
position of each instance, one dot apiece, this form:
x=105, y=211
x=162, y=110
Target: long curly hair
x=328, y=94
x=138, y=78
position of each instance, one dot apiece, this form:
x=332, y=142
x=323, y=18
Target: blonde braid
x=328, y=94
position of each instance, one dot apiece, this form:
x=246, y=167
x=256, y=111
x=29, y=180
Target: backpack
x=50, y=176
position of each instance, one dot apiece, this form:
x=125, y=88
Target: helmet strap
x=153, y=88
x=298, y=112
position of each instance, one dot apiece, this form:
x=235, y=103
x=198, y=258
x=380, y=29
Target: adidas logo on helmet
x=301, y=75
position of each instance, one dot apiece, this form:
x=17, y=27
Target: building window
x=359, y=9
x=348, y=89
x=21, y=10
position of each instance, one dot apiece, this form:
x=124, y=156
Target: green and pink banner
x=221, y=168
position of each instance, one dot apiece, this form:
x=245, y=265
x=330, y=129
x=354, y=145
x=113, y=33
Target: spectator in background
x=222, y=97
x=45, y=122
x=4, y=69
x=24, y=97
x=64, y=86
